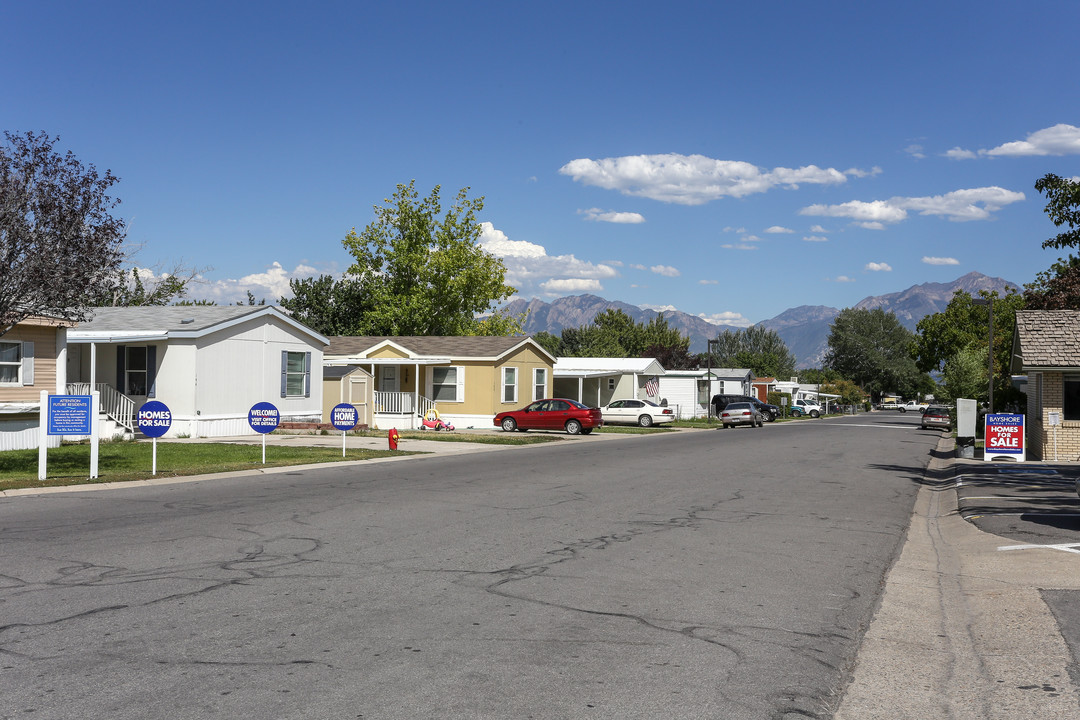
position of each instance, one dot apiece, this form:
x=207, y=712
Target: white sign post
x=68, y=415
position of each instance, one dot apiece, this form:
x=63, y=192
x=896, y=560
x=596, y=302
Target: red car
x=552, y=414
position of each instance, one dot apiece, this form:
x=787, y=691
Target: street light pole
x=710, y=344
x=989, y=303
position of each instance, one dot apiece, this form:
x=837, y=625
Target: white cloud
x=843, y=278
x=856, y=172
x=571, y=285
x=818, y=229
x=529, y=267
x=958, y=206
x=739, y=246
x=665, y=270
x=270, y=285
x=1061, y=139
x=940, y=260
x=958, y=153
x=728, y=229
x=691, y=179
x=708, y=282
x=777, y=229
x=726, y=318
x=598, y=215
x=876, y=211
x=915, y=151
x=878, y=267
x=659, y=308
x=815, y=238
x=638, y=266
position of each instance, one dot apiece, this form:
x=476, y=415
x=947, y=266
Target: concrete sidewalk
x=962, y=630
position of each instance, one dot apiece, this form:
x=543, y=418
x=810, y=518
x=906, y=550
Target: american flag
x=652, y=386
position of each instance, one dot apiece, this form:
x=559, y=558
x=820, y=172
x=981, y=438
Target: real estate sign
x=1004, y=436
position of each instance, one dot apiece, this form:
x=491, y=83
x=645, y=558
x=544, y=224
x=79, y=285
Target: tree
x=874, y=350
x=59, y=243
x=964, y=375
x=849, y=393
x=1058, y=288
x=135, y=286
x=613, y=333
x=416, y=271
x=422, y=274
x=758, y=348
x=964, y=325
x=1063, y=207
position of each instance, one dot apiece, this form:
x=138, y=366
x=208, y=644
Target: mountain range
x=805, y=329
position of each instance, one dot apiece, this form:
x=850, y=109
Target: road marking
x=1066, y=547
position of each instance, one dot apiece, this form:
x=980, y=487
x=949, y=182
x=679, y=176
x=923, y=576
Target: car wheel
x=573, y=427
x=761, y=423
x=726, y=426
x=509, y=424
x=645, y=420
x=586, y=431
x=768, y=417
x=815, y=414
x=903, y=410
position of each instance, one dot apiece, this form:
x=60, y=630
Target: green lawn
x=125, y=461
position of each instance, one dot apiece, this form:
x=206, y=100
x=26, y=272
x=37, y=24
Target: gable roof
x=456, y=347
x=148, y=323
x=1046, y=339
x=567, y=366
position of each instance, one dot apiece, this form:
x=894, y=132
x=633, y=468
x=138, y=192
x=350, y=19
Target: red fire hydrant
x=393, y=438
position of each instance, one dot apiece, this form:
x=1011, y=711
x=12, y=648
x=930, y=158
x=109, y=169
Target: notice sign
x=1004, y=437
x=69, y=414
x=155, y=419
x=344, y=417
x=263, y=417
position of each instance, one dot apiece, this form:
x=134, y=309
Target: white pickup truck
x=913, y=406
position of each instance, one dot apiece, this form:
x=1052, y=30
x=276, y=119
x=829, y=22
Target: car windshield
x=738, y=406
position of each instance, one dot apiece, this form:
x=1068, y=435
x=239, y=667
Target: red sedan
x=553, y=414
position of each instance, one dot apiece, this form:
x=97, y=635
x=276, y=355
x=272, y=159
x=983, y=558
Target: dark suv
x=768, y=412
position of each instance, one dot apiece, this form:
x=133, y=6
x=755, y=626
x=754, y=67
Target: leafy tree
x=551, y=343
x=874, y=350
x=758, y=348
x=964, y=375
x=60, y=246
x=1058, y=288
x=416, y=271
x=613, y=333
x=964, y=325
x=849, y=392
x=133, y=287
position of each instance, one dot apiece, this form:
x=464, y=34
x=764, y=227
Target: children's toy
x=432, y=421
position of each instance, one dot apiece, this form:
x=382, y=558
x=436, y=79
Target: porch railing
x=117, y=406
x=401, y=403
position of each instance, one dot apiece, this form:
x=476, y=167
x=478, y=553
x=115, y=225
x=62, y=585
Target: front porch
x=400, y=409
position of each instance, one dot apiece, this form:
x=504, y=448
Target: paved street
x=727, y=574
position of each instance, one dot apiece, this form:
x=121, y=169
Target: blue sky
x=729, y=160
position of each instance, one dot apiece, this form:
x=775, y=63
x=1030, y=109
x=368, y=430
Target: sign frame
x=1004, y=437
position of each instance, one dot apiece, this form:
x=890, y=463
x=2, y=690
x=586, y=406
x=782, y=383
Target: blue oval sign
x=155, y=419
x=344, y=417
x=263, y=417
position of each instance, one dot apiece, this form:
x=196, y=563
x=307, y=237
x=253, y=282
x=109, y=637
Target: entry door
x=388, y=378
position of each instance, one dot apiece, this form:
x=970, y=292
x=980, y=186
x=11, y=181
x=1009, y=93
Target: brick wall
x=1043, y=438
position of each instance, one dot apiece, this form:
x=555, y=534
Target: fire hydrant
x=393, y=438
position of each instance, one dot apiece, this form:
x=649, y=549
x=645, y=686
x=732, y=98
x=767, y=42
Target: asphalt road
x=708, y=574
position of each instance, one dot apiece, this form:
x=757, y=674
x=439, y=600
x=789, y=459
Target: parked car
x=741, y=413
x=936, y=416
x=768, y=412
x=552, y=414
x=636, y=412
x=806, y=407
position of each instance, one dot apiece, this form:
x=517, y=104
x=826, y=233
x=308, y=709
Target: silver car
x=741, y=413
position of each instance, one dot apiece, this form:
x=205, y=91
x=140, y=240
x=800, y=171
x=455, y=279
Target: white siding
x=681, y=396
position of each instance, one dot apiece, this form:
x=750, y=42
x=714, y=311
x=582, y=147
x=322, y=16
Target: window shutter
x=460, y=383
x=284, y=371
x=151, y=370
x=28, y=363
x=307, y=375
x=121, y=359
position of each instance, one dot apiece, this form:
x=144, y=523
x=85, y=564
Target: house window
x=539, y=383
x=1071, y=402
x=445, y=382
x=10, y=362
x=295, y=374
x=135, y=370
x=509, y=384
x=611, y=383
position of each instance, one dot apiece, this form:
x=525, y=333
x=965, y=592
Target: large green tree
x=613, y=333
x=417, y=270
x=964, y=327
x=1058, y=288
x=874, y=350
x=60, y=245
x=758, y=348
